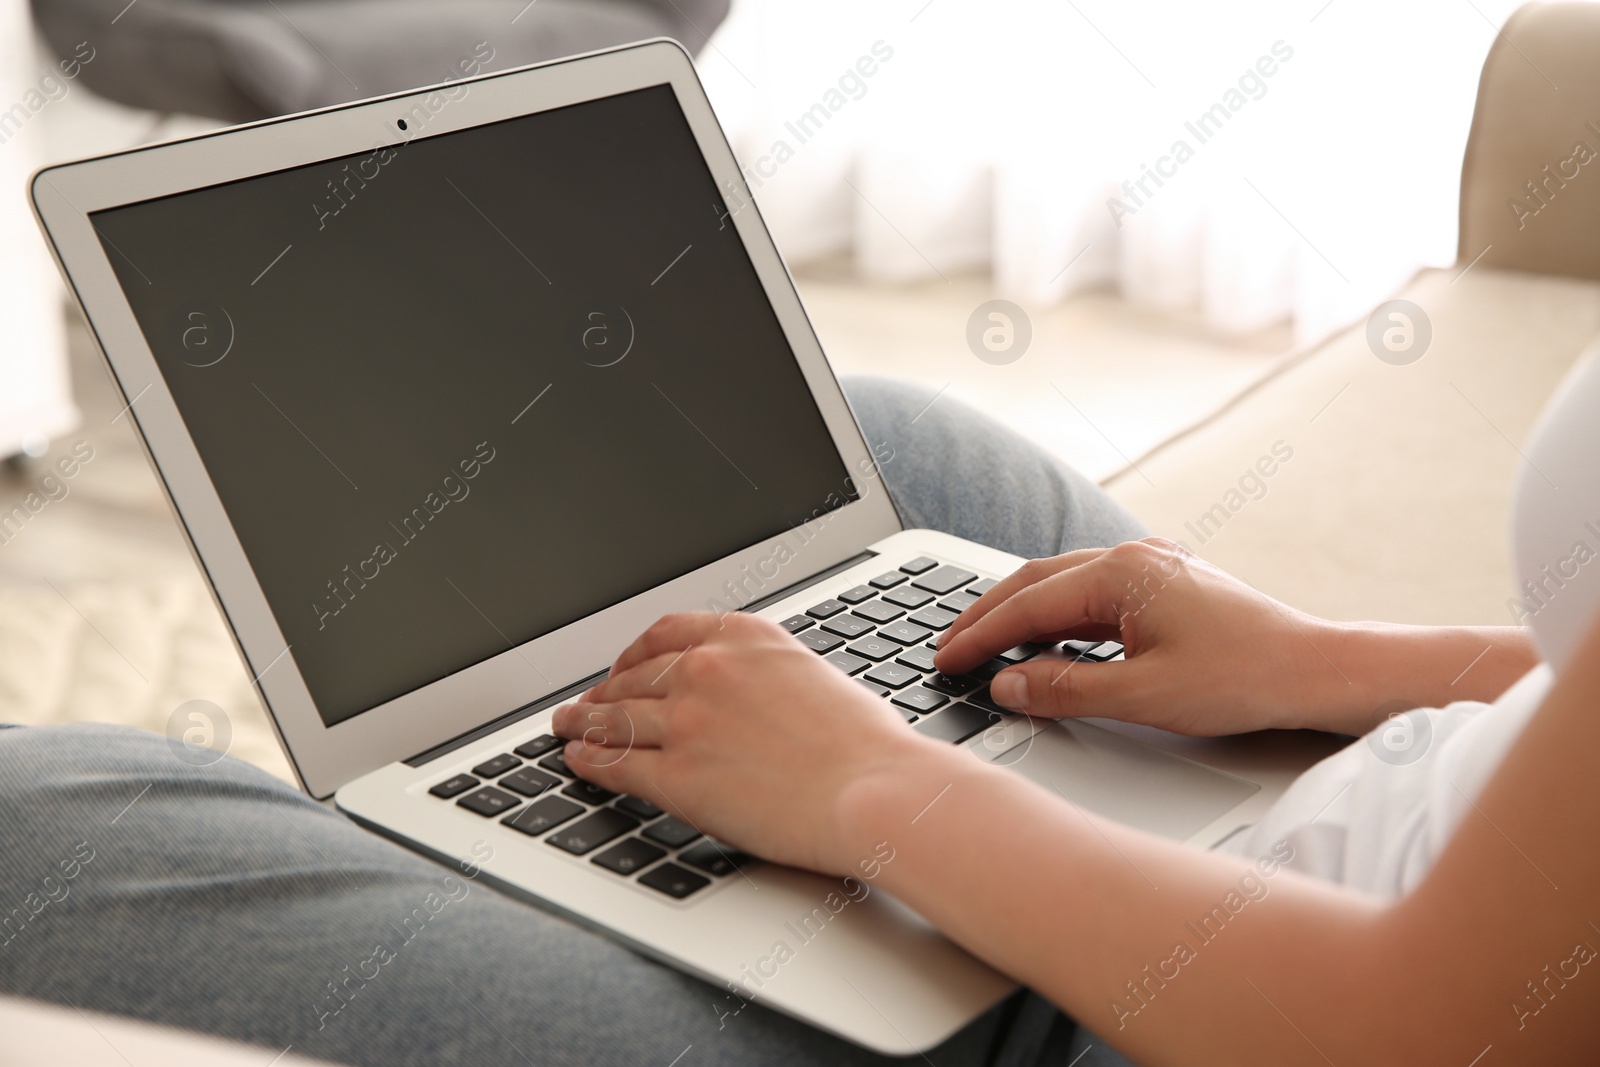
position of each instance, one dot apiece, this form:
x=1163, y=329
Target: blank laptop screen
x=459, y=392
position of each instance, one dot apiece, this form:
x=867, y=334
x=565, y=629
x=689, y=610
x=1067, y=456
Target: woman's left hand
x=735, y=727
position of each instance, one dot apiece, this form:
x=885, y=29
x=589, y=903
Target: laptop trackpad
x=1121, y=779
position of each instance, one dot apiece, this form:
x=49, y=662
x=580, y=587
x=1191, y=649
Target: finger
x=1030, y=573
x=650, y=679
x=618, y=725
x=634, y=772
x=1070, y=688
x=1078, y=598
x=670, y=633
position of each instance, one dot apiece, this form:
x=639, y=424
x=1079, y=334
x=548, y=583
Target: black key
x=875, y=648
x=982, y=586
x=1108, y=650
x=847, y=663
x=946, y=579
x=888, y=580
x=629, y=856
x=529, y=782
x=454, y=787
x=671, y=832
x=957, y=723
x=489, y=801
x=933, y=618
x=983, y=672
x=918, y=565
x=795, y=623
x=847, y=626
x=920, y=658
x=586, y=835
x=909, y=597
x=984, y=699
x=826, y=609
x=587, y=792
x=674, y=881
x=879, y=612
x=873, y=687
x=920, y=699
x=557, y=763
x=818, y=641
x=904, y=632
x=857, y=593
x=638, y=807
x=1078, y=648
x=892, y=675
x=543, y=815
x=1020, y=653
x=958, y=602
x=538, y=746
x=954, y=686
x=494, y=768
x=714, y=857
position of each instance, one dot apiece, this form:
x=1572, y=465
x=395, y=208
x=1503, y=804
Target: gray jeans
x=221, y=900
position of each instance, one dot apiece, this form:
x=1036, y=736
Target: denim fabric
x=960, y=472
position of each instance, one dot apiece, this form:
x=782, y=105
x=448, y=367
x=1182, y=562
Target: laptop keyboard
x=880, y=633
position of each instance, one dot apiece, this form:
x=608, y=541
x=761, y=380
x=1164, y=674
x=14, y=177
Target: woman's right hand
x=1206, y=654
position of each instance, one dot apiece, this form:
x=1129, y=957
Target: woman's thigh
x=219, y=899
x=954, y=469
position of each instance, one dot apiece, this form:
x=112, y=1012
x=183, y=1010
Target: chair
x=240, y=60
x=1530, y=182
x=1394, y=504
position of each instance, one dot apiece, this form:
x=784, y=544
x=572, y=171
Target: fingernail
x=1010, y=690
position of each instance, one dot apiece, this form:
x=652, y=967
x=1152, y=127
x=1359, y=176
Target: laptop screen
x=460, y=392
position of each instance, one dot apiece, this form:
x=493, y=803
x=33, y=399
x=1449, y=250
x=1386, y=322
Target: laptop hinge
x=561, y=696
x=806, y=583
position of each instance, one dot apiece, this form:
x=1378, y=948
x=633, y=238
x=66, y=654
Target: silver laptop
x=454, y=392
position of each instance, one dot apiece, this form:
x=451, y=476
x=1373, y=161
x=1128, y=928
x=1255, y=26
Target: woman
x=1439, y=911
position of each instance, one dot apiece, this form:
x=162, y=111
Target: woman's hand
x=732, y=725
x=1206, y=653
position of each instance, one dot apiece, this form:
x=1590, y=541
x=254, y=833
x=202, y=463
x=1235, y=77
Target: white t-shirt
x=1376, y=815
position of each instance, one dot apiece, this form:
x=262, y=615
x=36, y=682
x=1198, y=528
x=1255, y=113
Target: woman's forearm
x=1379, y=668
x=1180, y=956
x=1152, y=945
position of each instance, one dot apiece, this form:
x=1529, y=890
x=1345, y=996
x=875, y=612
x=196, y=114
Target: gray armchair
x=239, y=60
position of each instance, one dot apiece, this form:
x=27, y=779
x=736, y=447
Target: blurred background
x=1190, y=205
x=976, y=160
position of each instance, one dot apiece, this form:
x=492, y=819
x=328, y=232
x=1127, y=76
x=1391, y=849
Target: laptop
x=455, y=391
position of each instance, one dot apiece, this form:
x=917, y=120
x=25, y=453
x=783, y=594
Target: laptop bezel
x=323, y=757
